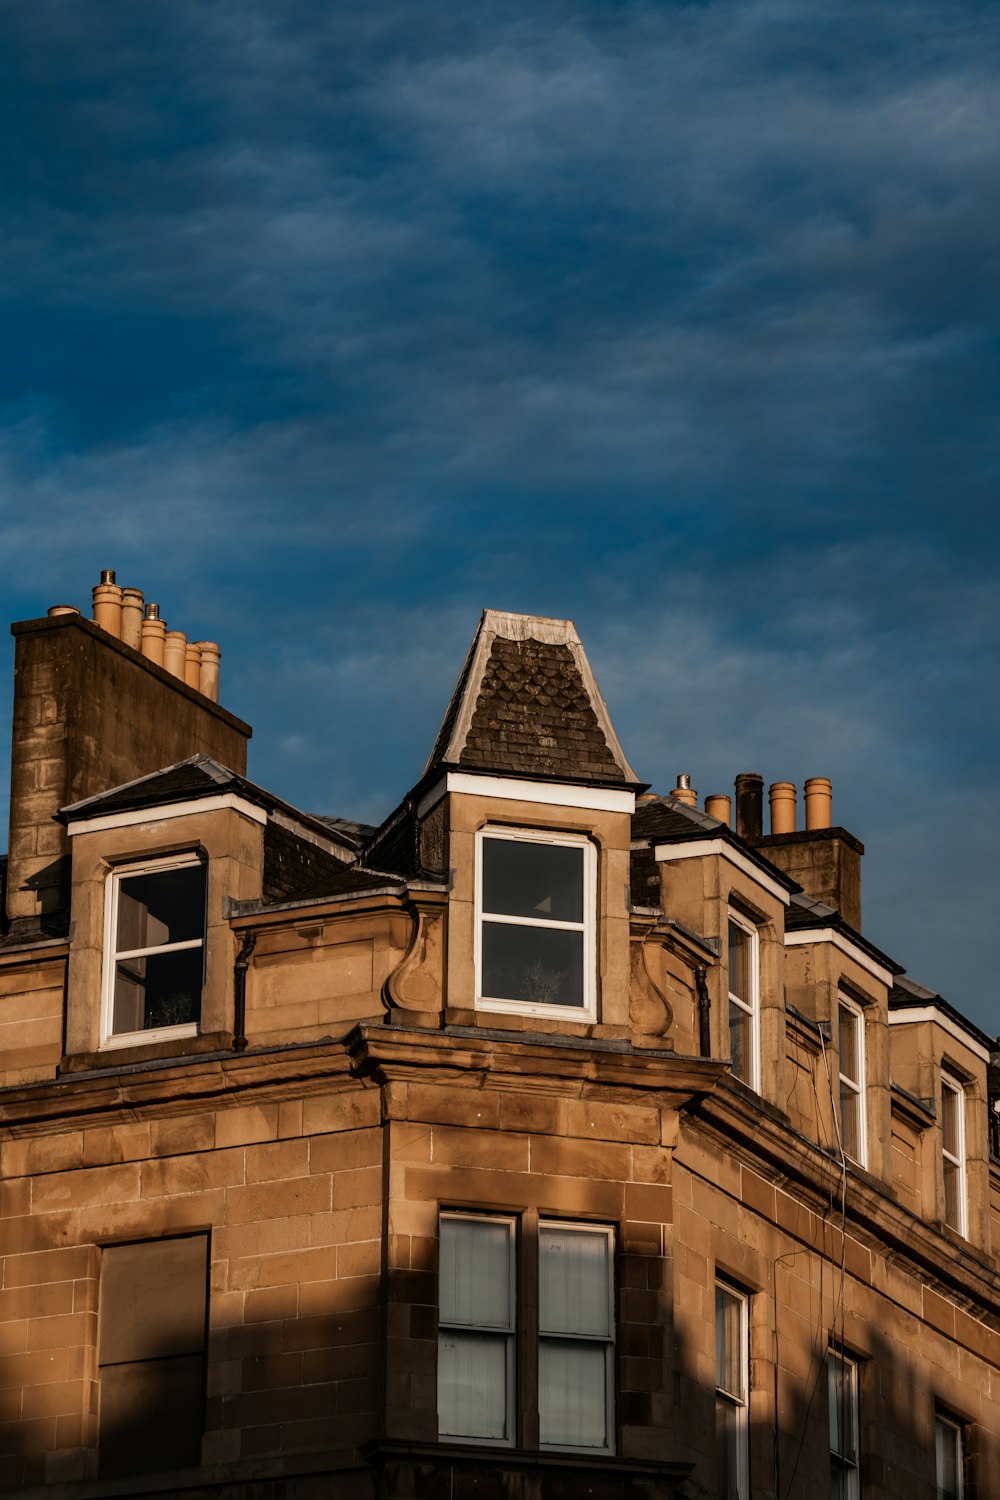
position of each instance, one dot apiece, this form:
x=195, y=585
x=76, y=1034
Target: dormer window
x=154, y=951
x=535, y=938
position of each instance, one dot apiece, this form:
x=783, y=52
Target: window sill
x=122, y=1056
x=392, y=1454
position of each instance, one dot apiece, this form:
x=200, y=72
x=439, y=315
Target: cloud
x=333, y=324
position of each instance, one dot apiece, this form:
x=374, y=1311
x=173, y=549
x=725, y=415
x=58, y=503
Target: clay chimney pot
x=782, y=795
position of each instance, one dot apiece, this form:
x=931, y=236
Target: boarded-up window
x=152, y=1354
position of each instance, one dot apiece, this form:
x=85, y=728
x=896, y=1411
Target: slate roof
x=526, y=704
x=201, y=776
x=906, y=993
x=806, y=912
x=667, y=820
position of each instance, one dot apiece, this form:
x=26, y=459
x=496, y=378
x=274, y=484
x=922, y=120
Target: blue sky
x=328, y=325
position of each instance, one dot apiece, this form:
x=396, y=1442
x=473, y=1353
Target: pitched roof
x=907, y=994
x=201, y=776
x=667, y=820
x=527, y=704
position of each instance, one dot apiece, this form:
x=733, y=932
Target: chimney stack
x=826, y=861
x=89, y=714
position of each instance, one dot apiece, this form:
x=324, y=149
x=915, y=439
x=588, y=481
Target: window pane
x=843, y=1480
x=472, y=1384
x=522, y=879
x=162, y=989
x=850, y=1122
x=574, y=1276
x=842, y=1396
x=730, y=1450
x=729, y=1365
x=948, y=1460
x=540, y=965
x=950, y=1129
x=475, y=1272
x=739, y=1041
x=740, y=960
x=952, y=1195
x=572, y=1398
x=849, y=1022
x=168, y=907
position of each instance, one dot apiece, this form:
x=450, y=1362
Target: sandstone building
x=553, y=1139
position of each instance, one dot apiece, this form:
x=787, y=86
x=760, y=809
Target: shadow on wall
x=293, y=1399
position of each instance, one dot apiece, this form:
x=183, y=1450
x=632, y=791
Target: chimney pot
x=749, y=805
x=151, y=612
x=210, y=655
x=782, y=796
x=192, y=665
x=153, y=639
x=684, y=792
x=719, y=806
x=63, y=609
x=175, y=653
x=818, y=802
x=132, y=618
x=108, y=604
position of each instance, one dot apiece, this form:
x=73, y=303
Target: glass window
x=842, y=1389
x=948, y=1459
x=851, y=1034
x=731, y=1394
x=535, y=930
x=953, y=1153
x=476, y=1328
x=574, y=1332
x=155, y=949
x=744, y=1001
x=575, y=1336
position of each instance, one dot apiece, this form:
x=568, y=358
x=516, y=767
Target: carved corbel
x=650, y=1012
x=416, y=985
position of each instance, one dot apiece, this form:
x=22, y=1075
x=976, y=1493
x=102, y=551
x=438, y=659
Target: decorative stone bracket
x=413, y=993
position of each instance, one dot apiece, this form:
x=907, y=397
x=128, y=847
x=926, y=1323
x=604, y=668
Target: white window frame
x=850, y=1468
x=944, y=1424
x=856, y=1086
x=109, y=1039
x=609, y=1342
x=956, y=1162
x=736, y=1404
x=587, y=1011
x=510, y=1412
x=753, y=1008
